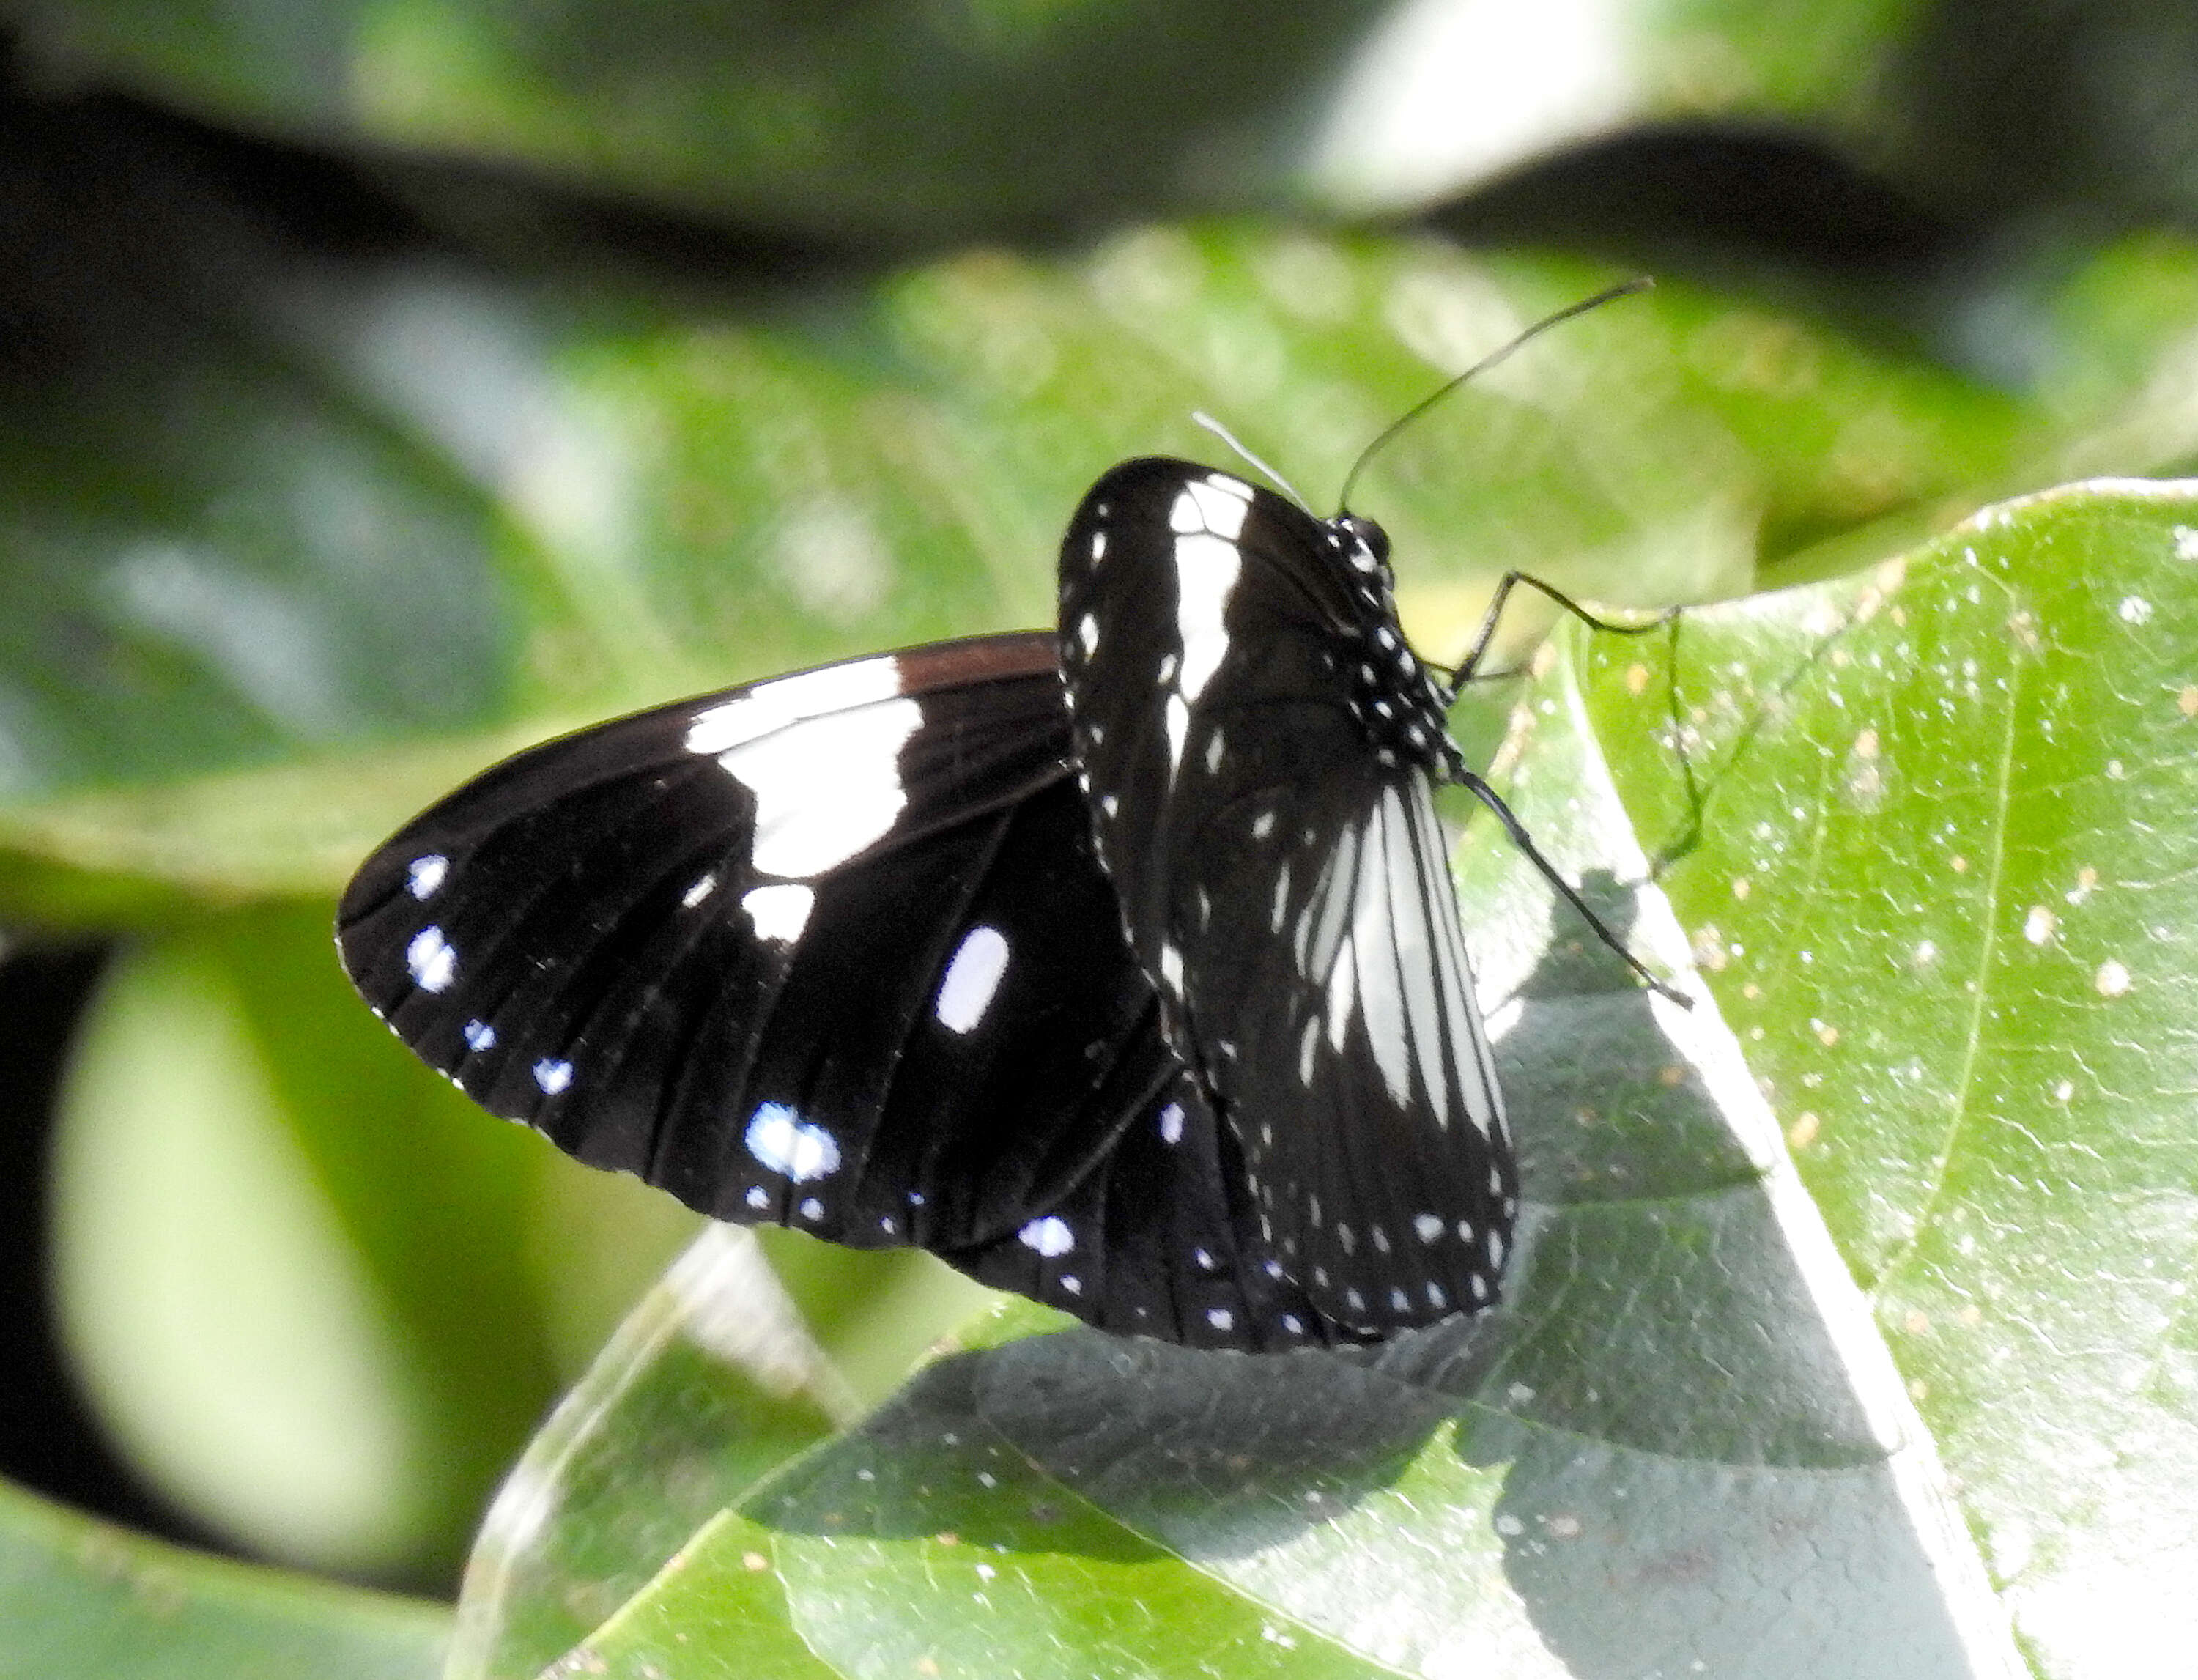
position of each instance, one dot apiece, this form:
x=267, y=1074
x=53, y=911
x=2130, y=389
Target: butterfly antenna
x=1229, y=438
x=1609, y=295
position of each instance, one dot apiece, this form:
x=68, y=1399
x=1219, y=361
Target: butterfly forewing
x=1283, y=878
x=832, y=951
x=640, y=938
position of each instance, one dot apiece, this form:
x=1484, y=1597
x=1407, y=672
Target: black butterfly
x=1122, y=970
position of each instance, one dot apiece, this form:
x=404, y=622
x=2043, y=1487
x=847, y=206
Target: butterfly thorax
x=1402, y=705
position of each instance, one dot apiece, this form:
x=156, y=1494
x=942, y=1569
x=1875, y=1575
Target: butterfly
x=1119, y=967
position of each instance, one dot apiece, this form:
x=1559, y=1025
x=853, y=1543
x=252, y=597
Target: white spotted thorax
x=1403, y=706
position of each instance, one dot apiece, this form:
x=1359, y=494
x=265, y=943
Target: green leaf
x=682, y=503
x=326, y=1370
x=84, y=1600
x=1940, y=868
x=873, y=122
x=206, y=562
x=712, y=1381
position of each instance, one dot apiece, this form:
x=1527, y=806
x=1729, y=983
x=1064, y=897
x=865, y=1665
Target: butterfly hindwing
x=1272, y=839
x=1178, y=1254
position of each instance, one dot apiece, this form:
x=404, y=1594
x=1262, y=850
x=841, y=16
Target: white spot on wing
x=1341, y=985
x=1216, y=503
x=1172, y=1124
x=1388, y=941
x=1087, y=634
x=779, y=912
x=770, y=707
x=1050, y=1237
x=701, y=888
x=1428, y=1226
x=426, y=873
x=1320, y=928
x=1206, y=573
x=479, y=1036
x=788, y=1145
x=1463, y=1045
x=433, y=960
x=973, y=975
x=1220, y=1317
x=553, y=1074
x=1178, y=726
x=827, y=790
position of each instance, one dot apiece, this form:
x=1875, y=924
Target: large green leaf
x=1938, y=865
x=879, y=120
x=894, y=120
x=704, y=501
x=84, y=1600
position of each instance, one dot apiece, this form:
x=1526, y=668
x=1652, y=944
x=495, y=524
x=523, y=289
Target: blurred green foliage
x=389, y=385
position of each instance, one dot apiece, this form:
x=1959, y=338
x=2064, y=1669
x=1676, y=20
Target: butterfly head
x=1364, y=546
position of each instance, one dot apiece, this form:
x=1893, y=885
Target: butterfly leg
x=1512, y=826
x=1468, y=668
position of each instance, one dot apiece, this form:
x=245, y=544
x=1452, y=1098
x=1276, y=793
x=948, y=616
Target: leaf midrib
x=1960, y=1112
